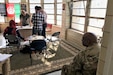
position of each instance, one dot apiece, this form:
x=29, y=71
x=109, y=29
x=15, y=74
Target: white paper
x=3, y=57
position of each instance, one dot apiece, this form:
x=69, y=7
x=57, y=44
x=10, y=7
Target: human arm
x=30, y=23
x=32, y=18
x=73, y=68
x=19, y=35
x=20, y=20
x=5, y=32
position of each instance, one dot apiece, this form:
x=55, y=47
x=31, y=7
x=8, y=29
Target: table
x=24, y=27
x=25, y=31
x=5, y=61
x=35, y=37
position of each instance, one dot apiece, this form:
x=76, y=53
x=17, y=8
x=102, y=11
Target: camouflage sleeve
x=75, y=67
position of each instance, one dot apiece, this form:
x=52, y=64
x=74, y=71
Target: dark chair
x=37, y=46
x=54, y=37
x=12, y=41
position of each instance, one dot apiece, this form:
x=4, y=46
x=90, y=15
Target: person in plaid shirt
x=37, y=20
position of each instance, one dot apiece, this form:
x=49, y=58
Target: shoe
x=34, y=56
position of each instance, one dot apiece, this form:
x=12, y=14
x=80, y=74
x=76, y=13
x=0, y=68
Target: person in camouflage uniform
x=85, y=63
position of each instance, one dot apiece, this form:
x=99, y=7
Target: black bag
x=26, y=49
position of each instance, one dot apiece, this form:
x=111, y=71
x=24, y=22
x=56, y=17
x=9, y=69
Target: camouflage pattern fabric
x=85, y=63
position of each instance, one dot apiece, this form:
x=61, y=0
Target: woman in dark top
x=12, y=30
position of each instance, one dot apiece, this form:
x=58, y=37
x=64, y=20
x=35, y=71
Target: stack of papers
x=3, y=57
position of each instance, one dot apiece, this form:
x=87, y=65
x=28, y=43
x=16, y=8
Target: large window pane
x=77, y=27
x=50, y=21
x=48, y=6
x=79, y=8
x=59, y=20
x=59, y=0
x=59, y=11
x=2, y=1
x=78, y=23
x=99, y=3
x=80, y=4
x=98, y=8
x=2, y=9
x=14, y=1
x=59, y=17
x=96, y=31
x=80, y=12
x=32, y=7
x=96, y=22
x=34, y=1
x=2, y=20
x=50, y=16
x=59, y=6
x=49, y=11
x=59, y=23
x=48, y=1
x=98, y=13
x=95, y=19
x=78, y=20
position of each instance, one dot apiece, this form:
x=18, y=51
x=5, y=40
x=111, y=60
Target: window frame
x=88, y=18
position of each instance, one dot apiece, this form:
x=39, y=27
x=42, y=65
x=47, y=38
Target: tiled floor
x=3, y=44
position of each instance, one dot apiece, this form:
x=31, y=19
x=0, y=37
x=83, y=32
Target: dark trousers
x=36, y=31
x=44, y=30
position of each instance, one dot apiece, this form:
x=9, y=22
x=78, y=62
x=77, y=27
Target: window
x=97, y=16
x=90, y=19
x=34, y=3
x=49, y=9
x=53, y=8
x=2, y=11
x=59, y=13
x=78, y=15
x=2, y=1
x=50, y=1
x=14, y=1
x=78, y=23
x=32, y=7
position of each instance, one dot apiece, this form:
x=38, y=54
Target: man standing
x=38, y=21
x=45, y=22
